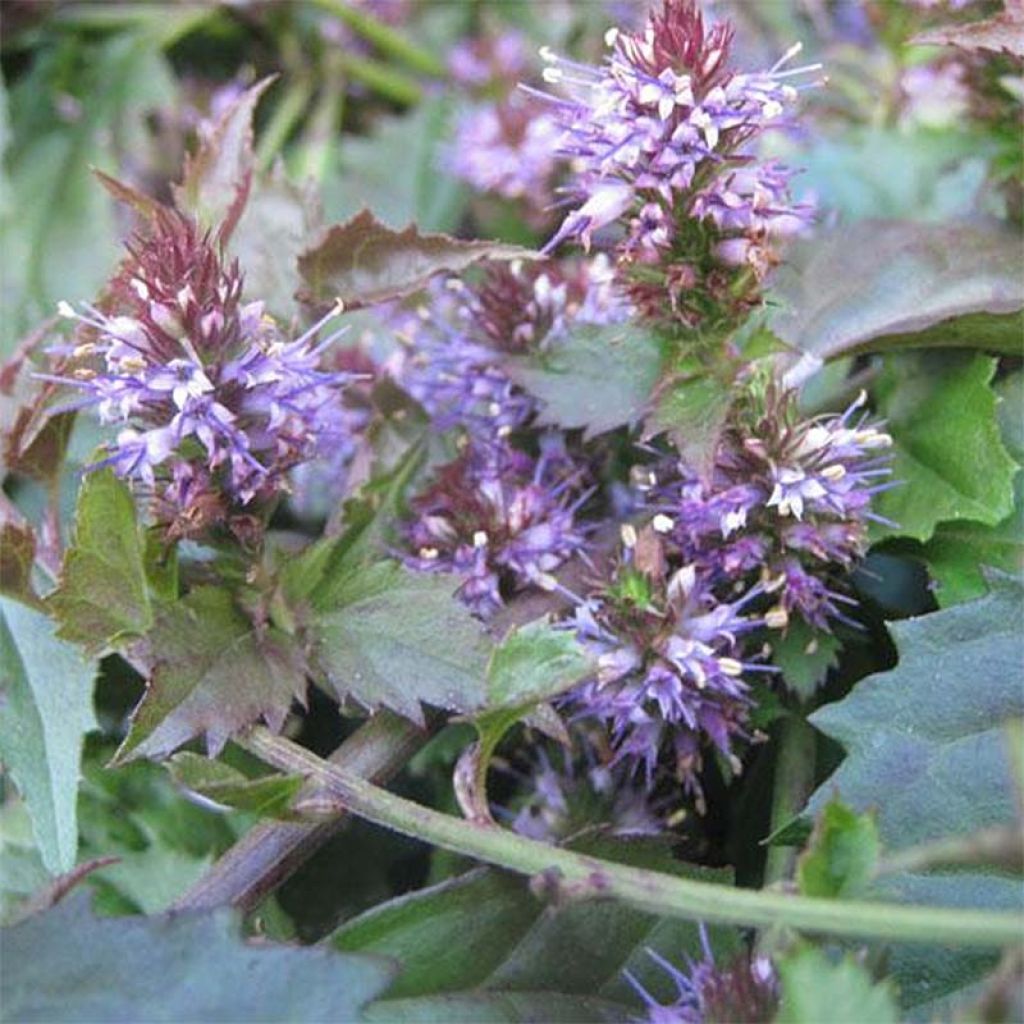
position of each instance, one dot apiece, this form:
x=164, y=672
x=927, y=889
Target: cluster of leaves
x=119, y=649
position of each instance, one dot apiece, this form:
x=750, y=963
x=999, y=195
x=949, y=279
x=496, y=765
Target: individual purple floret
x=216, y=405
x=499, y=520
x=747, y=990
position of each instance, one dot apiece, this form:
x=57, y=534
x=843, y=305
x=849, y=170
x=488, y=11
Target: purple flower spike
x=497, y=519
x=217, y=405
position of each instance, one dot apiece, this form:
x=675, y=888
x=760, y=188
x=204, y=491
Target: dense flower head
x=216, y=406
x=745, y=990
x=672, y=658
x=574, y=788
x=791, y=503
x=453, y=346
x=659, y=138
x=506, y=148
x=505, y=142
x=500, y=520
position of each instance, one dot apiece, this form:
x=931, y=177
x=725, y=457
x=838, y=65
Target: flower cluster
x=678, y=630
x=660, y=136
x=577, y=790
x=746, y=990
x=505, y=143
x=496, y=516
x=498, y=519
x=790, y=504
x=453, y=346
x=671, y=661
x=215, y=405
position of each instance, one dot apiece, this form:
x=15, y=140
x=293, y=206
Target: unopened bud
x=777, y=618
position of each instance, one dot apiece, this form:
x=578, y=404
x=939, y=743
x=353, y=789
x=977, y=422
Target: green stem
x=574, y=875
x=386, y=39
x=269, y=854
x=324, y=123
x=382, y=79
x=794, y=779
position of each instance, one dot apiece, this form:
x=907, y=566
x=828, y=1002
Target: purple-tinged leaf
x=212, y=674
x=102, y=598
x=1002, y=33
x=881, y=285
x=218, y=176
x=363, y=261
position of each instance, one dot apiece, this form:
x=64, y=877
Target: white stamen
x=663, y=523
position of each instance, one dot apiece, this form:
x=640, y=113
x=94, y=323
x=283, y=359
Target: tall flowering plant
x=587, y=541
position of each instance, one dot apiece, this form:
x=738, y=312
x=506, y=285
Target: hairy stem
x=574, y=875
x=794, y=779
x=273, y=851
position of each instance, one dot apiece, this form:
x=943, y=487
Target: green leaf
x=68, y=965
x=949, y=457
x=534, y=663
x=528, y=962
x=363, y=261
x=394, y=172
x=881, y=285
x=46, y=713
x=163, y=841
x=368, y=518
x=270, y=796
x=217, y=178
x=805, y=656
x=387, y=636
x=102, y=598
x=212, y=675
x=816, y=989
x=598, y=378
x=925, y=747
x=958, y=551
x=496, y=1008
x=53, y=206
x=901, y=172
x=842, y=855
x=923, y=741
x=693, y=413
